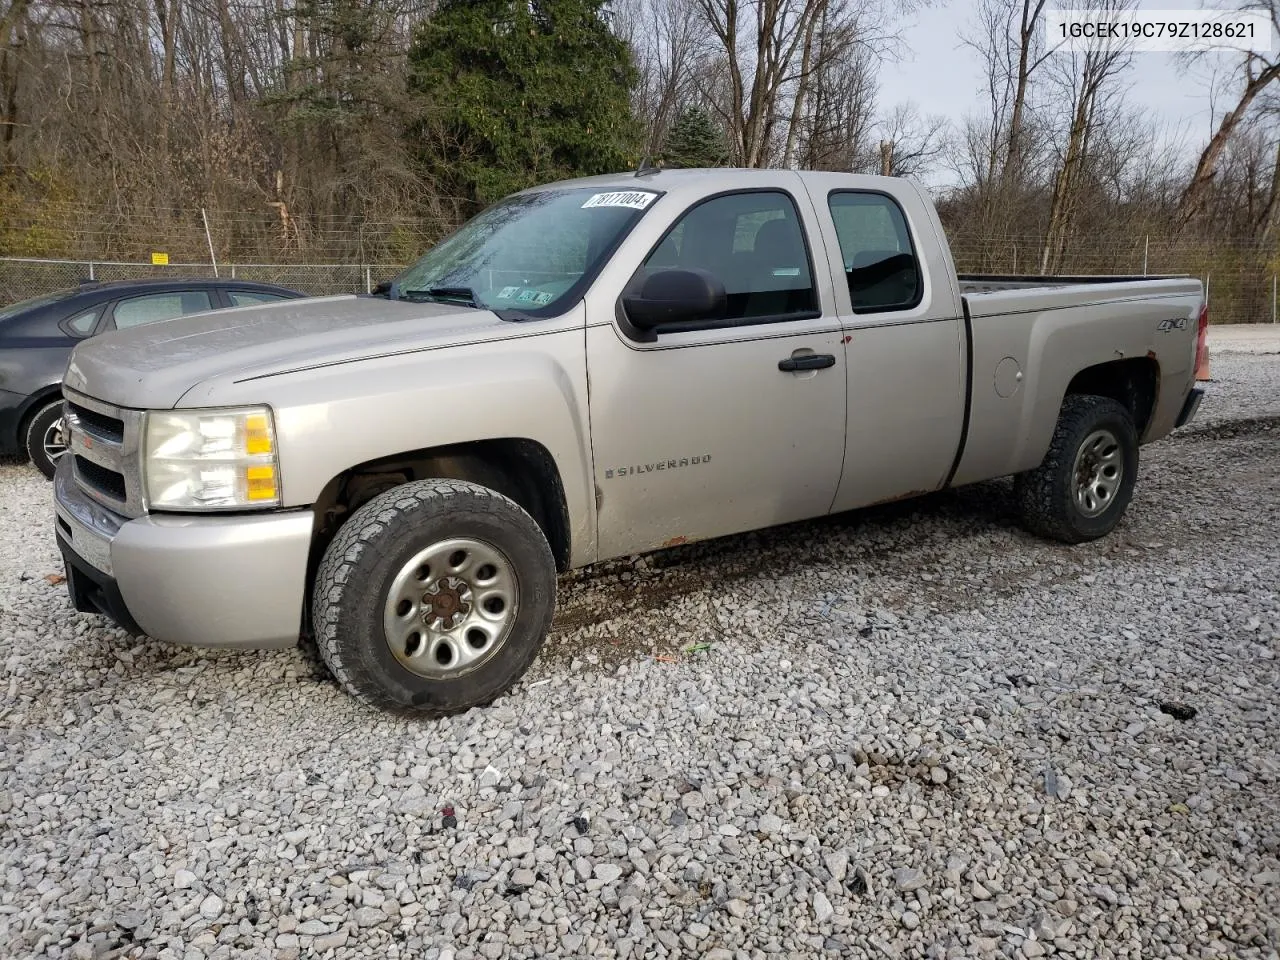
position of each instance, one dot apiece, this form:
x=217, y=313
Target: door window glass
x=754, y=244
x=82, y=324
x=879, y=260
x=249, y=298
x=155, y=307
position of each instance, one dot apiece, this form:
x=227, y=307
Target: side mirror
x=676, y=296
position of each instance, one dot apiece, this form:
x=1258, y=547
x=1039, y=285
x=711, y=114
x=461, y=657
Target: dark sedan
x=37, y=336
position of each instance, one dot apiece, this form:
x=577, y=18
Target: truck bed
x=993, y=282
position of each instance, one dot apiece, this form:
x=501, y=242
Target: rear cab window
x=880, y=263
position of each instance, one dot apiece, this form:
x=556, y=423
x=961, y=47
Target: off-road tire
x=361, y=562
x=38, y=424
x=1045, y=496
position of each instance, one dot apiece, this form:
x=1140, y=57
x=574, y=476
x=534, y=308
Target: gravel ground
x=913, y=731
x=1245, y=366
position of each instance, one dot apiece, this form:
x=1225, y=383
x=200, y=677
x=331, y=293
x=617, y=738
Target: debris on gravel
x=913, y=731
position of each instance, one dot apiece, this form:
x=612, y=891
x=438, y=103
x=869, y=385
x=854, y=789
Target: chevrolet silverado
x=589, y=369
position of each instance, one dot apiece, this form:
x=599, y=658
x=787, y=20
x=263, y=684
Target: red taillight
x=1202, y=345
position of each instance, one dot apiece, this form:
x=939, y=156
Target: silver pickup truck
x=587, y=370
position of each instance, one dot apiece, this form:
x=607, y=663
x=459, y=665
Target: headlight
x=211, y=459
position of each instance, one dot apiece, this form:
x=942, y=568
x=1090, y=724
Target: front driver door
x=699, y=433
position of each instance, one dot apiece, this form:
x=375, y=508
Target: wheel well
x=39, y=399
x=1133, y=383
x=520, y=469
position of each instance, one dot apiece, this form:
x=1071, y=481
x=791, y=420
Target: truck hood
x=152, y=366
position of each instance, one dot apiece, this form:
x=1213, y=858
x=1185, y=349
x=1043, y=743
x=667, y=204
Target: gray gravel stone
x=770, y=823
x=608, y=872
x=211, y=907
x=519, y=846
x=907, y=879
x=837, y=865
x=822, y=909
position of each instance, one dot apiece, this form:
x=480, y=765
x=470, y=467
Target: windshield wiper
x=451, y=294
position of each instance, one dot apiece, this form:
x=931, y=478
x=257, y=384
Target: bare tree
x=13, y=17
x=1270, y=224
x=1260, y=71
x=836, y=125
x=670, y=47
x=1007, y=40
x=759, y=40
x=769, y=52
x=915, y=144
x=1085, y=84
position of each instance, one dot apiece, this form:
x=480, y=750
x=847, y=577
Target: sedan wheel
x=46, y=438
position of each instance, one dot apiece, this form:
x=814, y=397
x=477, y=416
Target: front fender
x=531, y=386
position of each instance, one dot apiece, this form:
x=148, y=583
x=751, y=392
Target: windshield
x=531, y=254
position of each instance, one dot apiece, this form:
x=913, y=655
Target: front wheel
x=1086, y=481
x=45, y=442
x=434, y=597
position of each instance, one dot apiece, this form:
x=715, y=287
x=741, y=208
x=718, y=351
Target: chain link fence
x=1241, y=275
x=1239, y=292
x=22, y=277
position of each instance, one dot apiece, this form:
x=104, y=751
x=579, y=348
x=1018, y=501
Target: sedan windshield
x=532, y=254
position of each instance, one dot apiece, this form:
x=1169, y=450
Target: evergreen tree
x=694, y=140
x=515, y=93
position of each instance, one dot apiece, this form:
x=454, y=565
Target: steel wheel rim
x=1098, y=472
x=451, y=607
x=54, y=442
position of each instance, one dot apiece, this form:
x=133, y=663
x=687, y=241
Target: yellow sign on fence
x=159, y=259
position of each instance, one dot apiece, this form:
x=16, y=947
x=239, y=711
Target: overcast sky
x=944, y=77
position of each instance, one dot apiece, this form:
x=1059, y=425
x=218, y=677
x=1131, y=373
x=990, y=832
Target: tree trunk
x=12, y=36
x=1193, y=196
x=1013, y=142
x=232, y=55
x=1062, y=202
x=167, y=14
x=1270, y=222
x=802, y=87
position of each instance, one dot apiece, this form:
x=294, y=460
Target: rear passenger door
x=155, y=307
x=716, y=429
x=905, y=346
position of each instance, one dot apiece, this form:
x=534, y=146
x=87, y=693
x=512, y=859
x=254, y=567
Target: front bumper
x=206, y=581
x=1190, y=407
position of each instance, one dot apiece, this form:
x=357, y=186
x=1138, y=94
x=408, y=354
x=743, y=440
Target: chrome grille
x=109, y=482
x=105, y=442
x=98, y=425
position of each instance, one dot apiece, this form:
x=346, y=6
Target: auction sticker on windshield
x=635, y=199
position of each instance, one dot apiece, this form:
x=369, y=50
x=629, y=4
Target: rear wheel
x=434, y=597
x=1083, y=487
x=44, y=440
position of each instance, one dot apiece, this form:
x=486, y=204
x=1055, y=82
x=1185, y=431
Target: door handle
x=811, y=361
